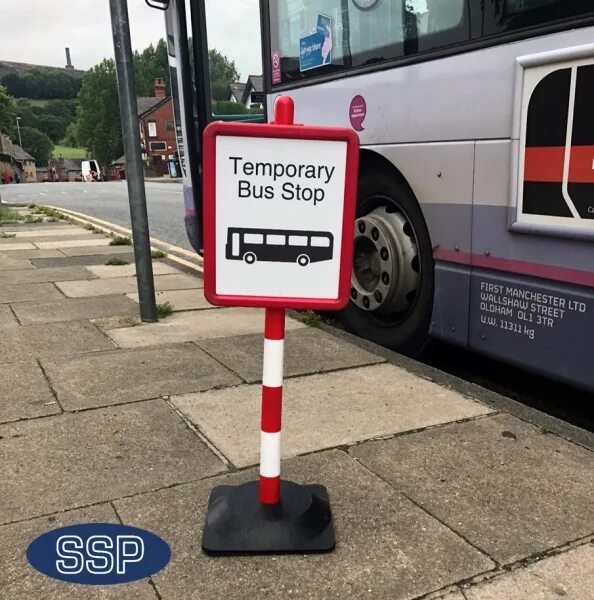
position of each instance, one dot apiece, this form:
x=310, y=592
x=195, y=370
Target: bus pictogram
x=278, y=245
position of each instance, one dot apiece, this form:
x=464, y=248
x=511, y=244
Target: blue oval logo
x=98, y=553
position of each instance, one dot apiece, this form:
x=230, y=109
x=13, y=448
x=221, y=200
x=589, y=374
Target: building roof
x=237, y=89
x=20, y=154
x=71, y=164
x=257, y=82
x=120, y=161
x=147, y=104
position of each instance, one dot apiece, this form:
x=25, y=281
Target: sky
x=37, y=31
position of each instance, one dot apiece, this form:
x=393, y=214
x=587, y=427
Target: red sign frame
x=297, y=132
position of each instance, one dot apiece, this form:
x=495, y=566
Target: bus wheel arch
x=392, y=282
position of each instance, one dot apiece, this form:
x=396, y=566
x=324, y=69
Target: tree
x=149, y=64
x=98, y=114
x=7, y=113
x=223, y=73
x=37, y=144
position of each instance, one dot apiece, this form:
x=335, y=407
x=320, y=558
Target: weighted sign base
x=238, y=523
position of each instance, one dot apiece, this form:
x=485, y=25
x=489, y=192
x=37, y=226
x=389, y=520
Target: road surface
x=109, y=201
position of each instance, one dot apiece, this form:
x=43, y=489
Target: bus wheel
x=392, y=277
x=303, y=260
x=250, y=258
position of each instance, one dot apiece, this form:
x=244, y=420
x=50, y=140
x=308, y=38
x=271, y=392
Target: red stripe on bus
x=519, y=267
x=546, y=164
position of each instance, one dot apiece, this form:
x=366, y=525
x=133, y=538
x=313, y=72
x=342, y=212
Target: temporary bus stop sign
x=279, y=214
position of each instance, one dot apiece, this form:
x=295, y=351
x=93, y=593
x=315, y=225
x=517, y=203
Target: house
x=250, y=94
x=26, y=164
x=158, y=137
x=14, y=158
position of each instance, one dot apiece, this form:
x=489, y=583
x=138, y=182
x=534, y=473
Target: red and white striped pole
x=272, y=370
x=272, y=401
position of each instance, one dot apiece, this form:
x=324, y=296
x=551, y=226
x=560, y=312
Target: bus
x=278, y=245
x=476, y=167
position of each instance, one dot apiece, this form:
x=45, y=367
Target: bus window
x=297, y=240
x=276, y=240
x=320, y=242
x=508, y=15
x=253, y=238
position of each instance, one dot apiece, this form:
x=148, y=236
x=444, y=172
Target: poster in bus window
x=315, y=49
x=556, y=170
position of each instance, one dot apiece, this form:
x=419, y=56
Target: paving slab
x=130, y=375
x=77, y=459
x=7, y=318
x=11, y=246
x=46, y=226
x=108, y=271
x=44, y=275
x=503, y=484
x=123, y=285
x=14, y=264
x=74, y=261
x=13, y=346
x=55, y=232
x=19, y=580
x=323, y=411
x=26, y=254
x=386, y=546
x=91, y=241
x=28, y=292
x=187, y=326
x=180, y=299
x=73, y=309
x=25, y=393
x=307, y=351
x=569, y=575
x=96, y=250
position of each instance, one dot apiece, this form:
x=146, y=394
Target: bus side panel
x=441, y=177
x=551, y=332
x=548, y=330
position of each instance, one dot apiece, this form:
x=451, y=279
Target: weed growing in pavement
x=90, y=227
x=164, y=309
x=8, y=215
x=50, y=212
x=117, y=262
x=311, y=318
x=158, y=254
x=52, y=220
x=32, y=206
x=33, y=219
x=6, y=236
x=120, y=241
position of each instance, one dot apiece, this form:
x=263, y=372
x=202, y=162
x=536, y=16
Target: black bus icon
x=278, y=245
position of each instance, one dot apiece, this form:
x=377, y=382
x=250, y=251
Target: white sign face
x=279, y=216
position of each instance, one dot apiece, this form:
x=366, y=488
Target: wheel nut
x=366, y=302
x=378, y=297
x=361, y=227
x=385, y=278
x=353, y=293
x=384, y=253
x=375, y=233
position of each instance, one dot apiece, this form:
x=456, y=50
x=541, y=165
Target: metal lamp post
x=19, y=130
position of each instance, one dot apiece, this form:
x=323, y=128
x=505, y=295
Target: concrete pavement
x=435, y=493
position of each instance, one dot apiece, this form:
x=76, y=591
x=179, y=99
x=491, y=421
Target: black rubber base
x=237, y=523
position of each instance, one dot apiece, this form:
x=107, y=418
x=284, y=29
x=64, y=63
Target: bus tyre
x=393, y=271
x=303, y=260
x=250, y=258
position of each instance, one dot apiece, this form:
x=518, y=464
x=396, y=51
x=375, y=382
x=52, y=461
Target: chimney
x=68, y=61
x=160, y=88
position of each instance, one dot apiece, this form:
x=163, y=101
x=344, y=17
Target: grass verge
x=7, y=215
